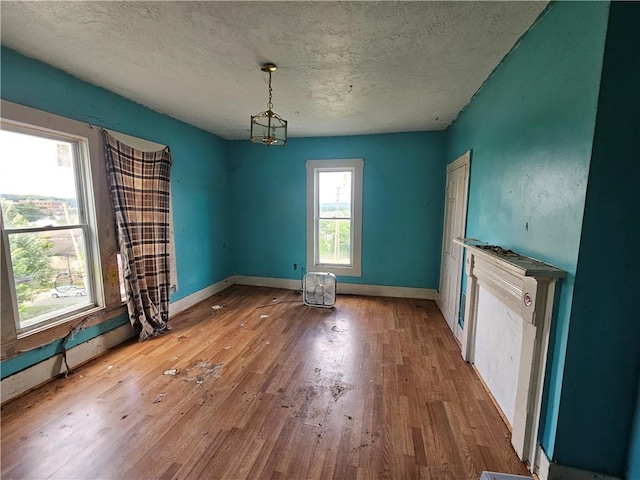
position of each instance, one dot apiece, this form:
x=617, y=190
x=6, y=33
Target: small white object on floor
x=217, y=307
x=264, y=316
x=172, y=371
x=160, y=398
x=501, y=476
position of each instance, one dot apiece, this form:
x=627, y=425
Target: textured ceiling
x=344, y=68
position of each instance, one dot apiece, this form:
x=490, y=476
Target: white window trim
x=356, y=165
x=86, y=222
x=107, y=291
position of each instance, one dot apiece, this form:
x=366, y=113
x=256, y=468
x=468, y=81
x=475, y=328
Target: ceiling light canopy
x=267, y=127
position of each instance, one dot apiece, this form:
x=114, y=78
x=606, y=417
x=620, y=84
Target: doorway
x=455, y=219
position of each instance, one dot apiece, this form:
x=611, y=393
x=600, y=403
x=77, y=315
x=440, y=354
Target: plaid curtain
x=139, y=184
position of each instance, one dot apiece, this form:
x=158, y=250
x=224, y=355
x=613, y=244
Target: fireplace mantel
x=527, y=287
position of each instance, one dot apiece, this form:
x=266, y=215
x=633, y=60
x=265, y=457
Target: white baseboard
x=552, y=471
x=345, y=288
x=268, y=282
x=387, y=291
x=42, y=372
x=542, y=469
x=196, y=297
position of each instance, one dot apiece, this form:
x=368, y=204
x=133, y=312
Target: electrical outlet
x=295, y=266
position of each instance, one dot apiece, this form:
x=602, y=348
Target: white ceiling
x=344, y=68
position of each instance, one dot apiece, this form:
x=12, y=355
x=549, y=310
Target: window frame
x=86, y=223
x=100, y=238
x=314, y=167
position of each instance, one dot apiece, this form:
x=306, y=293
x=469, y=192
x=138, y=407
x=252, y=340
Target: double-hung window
x=334, y=216
x=48, y=225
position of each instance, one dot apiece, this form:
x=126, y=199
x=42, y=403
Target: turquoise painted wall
x=403, y=190
x=199, y=176
x=531, y=129
x=602, y=365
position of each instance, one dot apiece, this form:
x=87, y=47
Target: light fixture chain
x=269, y=105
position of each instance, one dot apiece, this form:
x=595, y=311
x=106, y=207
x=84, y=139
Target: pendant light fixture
x=267, y=127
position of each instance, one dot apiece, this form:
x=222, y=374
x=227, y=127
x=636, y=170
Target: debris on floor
x=181, y=338
x=160, y=398
x=336, y=329
x=227, y=347
x=218, y=307
x=359, y=447
x=211, y=369
x=263, y=316
x=338, y=389
x=241, y=325
x=198, y=372
x=109, y=367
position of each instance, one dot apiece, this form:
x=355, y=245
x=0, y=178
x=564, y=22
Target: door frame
x=463, y=160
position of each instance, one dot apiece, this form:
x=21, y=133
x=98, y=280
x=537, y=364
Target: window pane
x=334, y=238
x=334, y=190
x=49, y=273
x=37, y=181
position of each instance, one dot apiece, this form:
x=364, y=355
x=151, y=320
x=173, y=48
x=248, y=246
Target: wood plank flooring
x=267, y=388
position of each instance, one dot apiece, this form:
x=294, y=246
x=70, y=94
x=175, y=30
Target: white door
x=455, y=215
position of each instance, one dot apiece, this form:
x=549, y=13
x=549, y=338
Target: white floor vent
x=319, y=289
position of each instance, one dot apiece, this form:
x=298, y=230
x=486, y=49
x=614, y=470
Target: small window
x=46, y=223
x=334, y=216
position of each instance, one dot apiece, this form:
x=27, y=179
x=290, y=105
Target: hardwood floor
x=268, y=388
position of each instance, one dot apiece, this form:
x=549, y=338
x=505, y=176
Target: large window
x=46, y=223
x=334, y=216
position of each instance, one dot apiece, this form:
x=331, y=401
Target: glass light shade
x=268, y=129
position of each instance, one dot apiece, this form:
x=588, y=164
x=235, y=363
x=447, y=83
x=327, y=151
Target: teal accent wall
x=530, y=129
x=403, y=195
x=198, y=175
x=602, y=365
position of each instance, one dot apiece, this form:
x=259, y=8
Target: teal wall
x=403, y=194
x=603, y=353
x=198, y=175
x=530, y=129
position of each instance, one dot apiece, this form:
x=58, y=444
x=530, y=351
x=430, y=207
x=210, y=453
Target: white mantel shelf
x=527, y=287
x=525, y=266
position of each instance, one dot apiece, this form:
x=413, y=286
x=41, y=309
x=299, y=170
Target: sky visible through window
x=31, y=165
x=335, y=187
